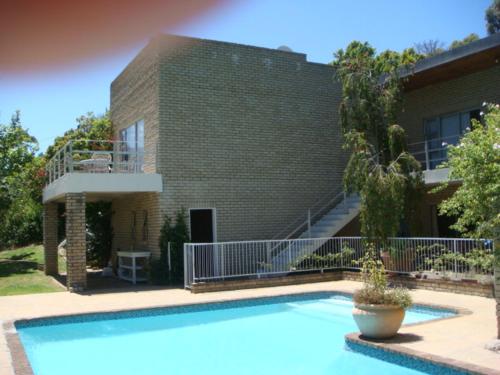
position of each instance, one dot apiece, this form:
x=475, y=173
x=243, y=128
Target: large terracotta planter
x=378, y=321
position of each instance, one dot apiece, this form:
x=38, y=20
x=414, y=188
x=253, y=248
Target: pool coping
x=388, y=345
x=21, y=365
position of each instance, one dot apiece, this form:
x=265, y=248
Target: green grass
x=21, y=272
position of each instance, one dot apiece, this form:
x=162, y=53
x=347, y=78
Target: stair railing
x=313, y=215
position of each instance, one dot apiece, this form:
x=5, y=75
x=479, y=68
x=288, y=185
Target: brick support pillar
x=50, y=238
x=76, y=242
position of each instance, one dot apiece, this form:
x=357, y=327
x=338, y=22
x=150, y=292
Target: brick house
x=247, y=140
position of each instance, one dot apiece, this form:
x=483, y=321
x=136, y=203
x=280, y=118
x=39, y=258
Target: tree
x=468, y=39
x=430, y=47
x=89, y=127
x=476, y=162
x=17, y=148
x=21, y=181
x=379, y=167
x=492, y=17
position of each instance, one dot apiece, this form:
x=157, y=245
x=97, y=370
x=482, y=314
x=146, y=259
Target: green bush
x=175, y=234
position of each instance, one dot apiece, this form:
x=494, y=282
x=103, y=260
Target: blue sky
x=51, y=101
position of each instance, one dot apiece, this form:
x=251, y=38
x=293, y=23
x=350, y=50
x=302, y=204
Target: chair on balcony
x=98, y=163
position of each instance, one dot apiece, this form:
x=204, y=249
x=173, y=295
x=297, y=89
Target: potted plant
x=398, y=259
x=378, y=310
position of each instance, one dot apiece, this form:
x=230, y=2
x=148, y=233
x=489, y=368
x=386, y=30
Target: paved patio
x=460, y=339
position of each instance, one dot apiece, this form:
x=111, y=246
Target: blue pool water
x=284, y=335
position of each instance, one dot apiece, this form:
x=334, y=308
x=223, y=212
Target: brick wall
x=145, y=204
x=252, y=132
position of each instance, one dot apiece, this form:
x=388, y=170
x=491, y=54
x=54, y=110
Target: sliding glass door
x=132, y=147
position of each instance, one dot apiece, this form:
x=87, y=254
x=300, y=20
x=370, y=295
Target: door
x=205, y=257
x=201, y=224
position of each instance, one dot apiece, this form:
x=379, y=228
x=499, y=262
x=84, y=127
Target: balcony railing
x=87, y=156
x=433, y=152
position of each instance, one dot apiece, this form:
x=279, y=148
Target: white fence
x=452, y=258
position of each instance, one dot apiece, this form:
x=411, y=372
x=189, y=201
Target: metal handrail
x=435, y=139
x=64, y=160
x=426, y=151
x=313, y=214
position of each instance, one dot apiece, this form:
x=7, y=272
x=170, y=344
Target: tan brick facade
x=76, y=241
x=50, y=238
x=144, y=235
x=251, y=132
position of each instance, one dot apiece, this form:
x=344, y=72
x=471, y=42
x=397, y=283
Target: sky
x=50, y=102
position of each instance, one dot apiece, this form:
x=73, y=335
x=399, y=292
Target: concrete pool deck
x=460, y=339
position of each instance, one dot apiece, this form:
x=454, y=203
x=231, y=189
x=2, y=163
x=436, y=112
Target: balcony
x=100, y=167
x=431, y=154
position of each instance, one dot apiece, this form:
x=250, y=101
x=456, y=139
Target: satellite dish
x=285, y=48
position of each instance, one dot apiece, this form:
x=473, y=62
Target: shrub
x=175, y=234
x=375, y=290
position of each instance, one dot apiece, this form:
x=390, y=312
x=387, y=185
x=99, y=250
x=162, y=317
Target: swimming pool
x=300, y=334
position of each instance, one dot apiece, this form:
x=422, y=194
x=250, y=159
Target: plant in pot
x=398, y=259
x=378, y=310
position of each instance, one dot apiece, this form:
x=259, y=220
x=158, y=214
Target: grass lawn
x=21, y=272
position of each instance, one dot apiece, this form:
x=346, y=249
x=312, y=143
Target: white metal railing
x=432, y=152
x=307, y=219
x=90, y=156
x=452, y=258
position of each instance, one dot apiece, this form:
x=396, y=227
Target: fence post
x=309, y=223
x=289, y=255
x=341, y=255
x=168, y=255
x=185, y=267
x=71, y=157
x=426, y=150
x=222, y=261
x=455, y=265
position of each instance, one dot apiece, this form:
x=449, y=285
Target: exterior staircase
x=336, y=219
x=322, y=222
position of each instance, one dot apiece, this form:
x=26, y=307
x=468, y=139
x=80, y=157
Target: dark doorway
x=202, y=226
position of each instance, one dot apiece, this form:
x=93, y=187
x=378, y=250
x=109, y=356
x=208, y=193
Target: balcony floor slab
x=103, y=183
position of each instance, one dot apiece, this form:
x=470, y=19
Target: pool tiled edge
x=391, y=346
x=19, y=360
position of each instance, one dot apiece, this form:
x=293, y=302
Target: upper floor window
x=132, y=147
x=445, y=130
x=133, y=136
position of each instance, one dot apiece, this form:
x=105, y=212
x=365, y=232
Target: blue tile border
x=403, y=360
x=248, y=302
